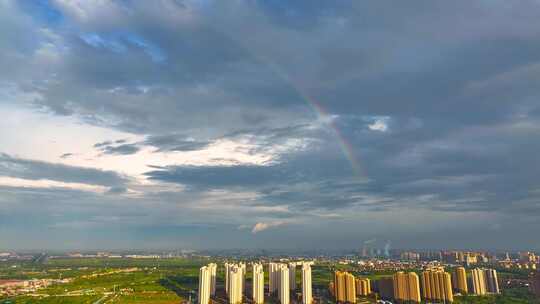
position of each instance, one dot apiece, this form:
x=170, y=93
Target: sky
x=269, y=124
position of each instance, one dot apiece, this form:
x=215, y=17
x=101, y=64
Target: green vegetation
x=508, y=296
x=111, y=280
x=164, y=281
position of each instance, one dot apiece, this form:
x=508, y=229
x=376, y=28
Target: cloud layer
x=176, y=122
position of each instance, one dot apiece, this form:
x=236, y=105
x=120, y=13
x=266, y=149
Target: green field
x=154, y=280
x=164, y=281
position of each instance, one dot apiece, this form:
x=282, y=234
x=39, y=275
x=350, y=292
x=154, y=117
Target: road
x=101, y=299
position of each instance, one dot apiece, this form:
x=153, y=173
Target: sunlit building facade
x=307, y=297
x=406, y=287
x=437, y=286
x=284, y=287
x=478, y=282
x=363, y=287
x=345, y=287
x=204, y=285
x=292, y=276
x=273, y=277
x=213, y=270
x=258, y=284
x=235, y=281
x=459, y=280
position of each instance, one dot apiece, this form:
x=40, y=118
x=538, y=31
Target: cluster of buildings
x=282, y=280
x=346, y=287
x=433, y=285
x=18, y=287
x=525, y=260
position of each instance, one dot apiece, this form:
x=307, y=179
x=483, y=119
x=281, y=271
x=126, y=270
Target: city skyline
x=287, y=125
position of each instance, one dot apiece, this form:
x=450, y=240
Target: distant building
x=459, y=280
x=345, y=287
x=410, y=256
x=258, y=284
x=527, y=257
x=406, y=287
x=437, y=285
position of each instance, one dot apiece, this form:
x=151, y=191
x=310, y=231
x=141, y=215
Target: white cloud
x=261, y=226
x=380, y=124
x=6, y=181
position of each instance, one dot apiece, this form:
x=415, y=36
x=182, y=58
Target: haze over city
x=298, y=125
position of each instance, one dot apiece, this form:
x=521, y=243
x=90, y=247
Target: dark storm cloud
x=37, y=170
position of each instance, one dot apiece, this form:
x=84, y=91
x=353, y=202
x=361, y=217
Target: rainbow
x=316, y=106
x=320, y=111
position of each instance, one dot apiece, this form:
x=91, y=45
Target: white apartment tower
x=478, y=281
x=492, y=284
x=292, y=276
x=235, y=278
x=284, y=286
x=213, y=270
x=274, y=277
x=243, y=268
x=306, y=284
x=258, y=284
x=204, y=285
x=227, y=266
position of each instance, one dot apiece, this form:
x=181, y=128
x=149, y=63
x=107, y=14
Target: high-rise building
x=535, y=284
x=484, y=281
x=527, y=257
x=492, y=283
x=292, y=276
x=273, y=277
x=437, y=285
x=226, y=266
x=284, y=286
x=213, y=270
x=235, y=279
x=385, y=288
x=258, y=284
x=307, y=297
x=345, y=287
x=459, y=280
x=406, y=287
x=363, y=287
x=204, y=285
x=478, y=282
x=244, y=269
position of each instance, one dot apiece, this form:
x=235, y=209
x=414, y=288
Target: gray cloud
x=37, y=170
x=66, y=155
x=175, y=142
x=123, y=149
x=455, y=82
